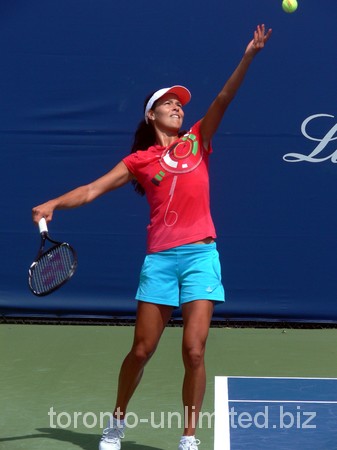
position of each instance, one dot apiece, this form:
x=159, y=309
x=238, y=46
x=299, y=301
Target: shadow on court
x=82, y=440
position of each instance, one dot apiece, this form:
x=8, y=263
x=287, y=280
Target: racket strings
x=53, y=268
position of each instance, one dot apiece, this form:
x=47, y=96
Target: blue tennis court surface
x=275, y=413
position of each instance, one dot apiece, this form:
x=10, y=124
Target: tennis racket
x=52, y=267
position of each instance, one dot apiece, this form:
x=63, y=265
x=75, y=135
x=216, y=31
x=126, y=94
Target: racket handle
x=43, y=226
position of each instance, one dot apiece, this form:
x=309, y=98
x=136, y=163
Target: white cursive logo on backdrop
x=323, y=142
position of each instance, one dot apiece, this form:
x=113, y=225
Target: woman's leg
x=150, y=323
x=197, y=317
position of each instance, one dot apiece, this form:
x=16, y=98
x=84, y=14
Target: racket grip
x=43, y=226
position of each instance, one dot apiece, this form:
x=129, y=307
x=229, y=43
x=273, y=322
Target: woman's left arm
x=213, y=117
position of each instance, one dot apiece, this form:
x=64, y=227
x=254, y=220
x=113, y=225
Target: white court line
x=221, y=413
x=281, y=378
x=285, y=401
x=221, y=405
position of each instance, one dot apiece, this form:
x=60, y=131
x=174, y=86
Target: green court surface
x=71, y=371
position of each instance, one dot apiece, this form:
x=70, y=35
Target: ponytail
x=144, y=138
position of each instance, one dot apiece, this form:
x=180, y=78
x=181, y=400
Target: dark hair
x=144, y=137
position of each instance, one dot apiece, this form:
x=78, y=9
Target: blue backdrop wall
x=73, y=77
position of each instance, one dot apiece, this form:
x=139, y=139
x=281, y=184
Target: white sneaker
x=188, y=444
x=111, y=438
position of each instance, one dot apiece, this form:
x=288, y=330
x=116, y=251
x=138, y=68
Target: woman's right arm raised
x=117, y=177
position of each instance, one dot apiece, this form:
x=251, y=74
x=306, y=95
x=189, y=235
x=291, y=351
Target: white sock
x=187, y=438
x=116, y=423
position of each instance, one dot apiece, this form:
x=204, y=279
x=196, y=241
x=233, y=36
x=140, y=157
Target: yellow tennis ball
x=289, y=6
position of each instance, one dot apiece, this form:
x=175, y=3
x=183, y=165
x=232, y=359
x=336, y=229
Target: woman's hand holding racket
x=44, y=211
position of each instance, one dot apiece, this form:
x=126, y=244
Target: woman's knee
x=193, y=356
x=142, y=353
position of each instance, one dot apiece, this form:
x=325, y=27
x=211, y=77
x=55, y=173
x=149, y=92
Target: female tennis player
x=181, y=267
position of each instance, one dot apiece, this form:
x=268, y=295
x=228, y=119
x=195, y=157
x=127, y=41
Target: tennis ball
x=289, y=6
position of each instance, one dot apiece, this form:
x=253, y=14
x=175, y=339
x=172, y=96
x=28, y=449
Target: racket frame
x=42, y=252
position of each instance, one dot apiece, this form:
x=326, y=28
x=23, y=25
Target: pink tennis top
x=176, y=184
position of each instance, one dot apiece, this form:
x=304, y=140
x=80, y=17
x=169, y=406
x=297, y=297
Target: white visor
x=181, y=92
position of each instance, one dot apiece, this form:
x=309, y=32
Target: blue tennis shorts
x=180, y=275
